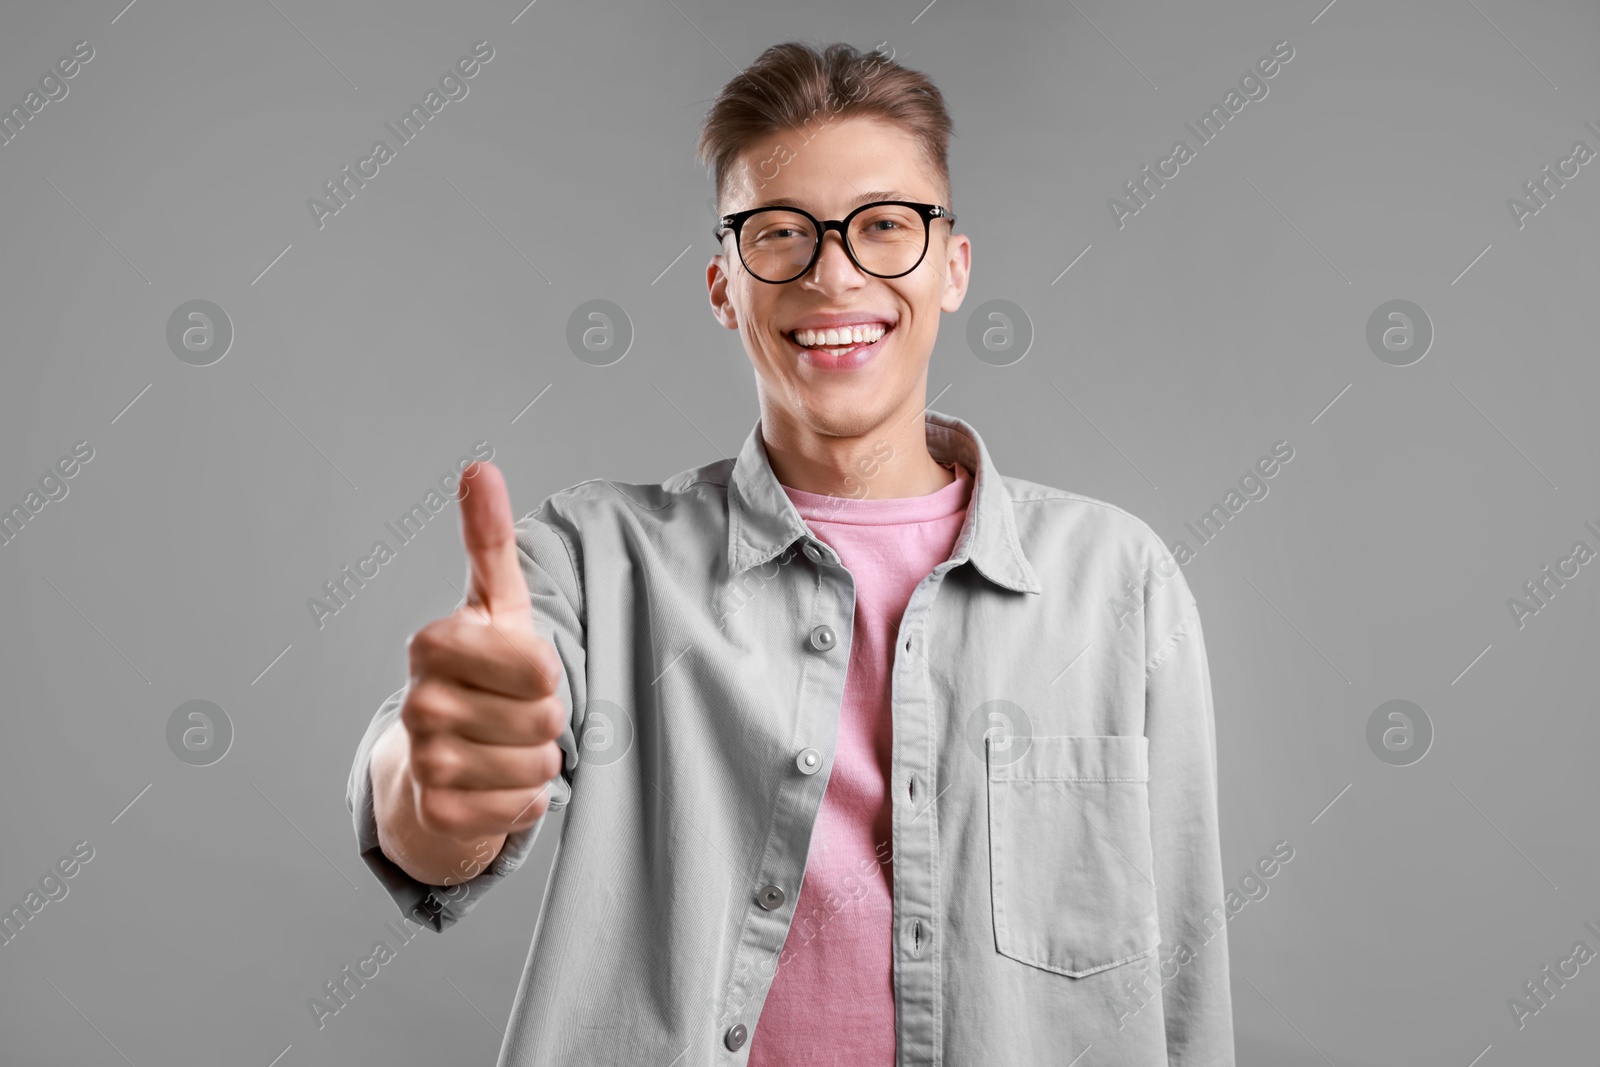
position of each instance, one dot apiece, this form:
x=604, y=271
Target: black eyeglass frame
x=820, y=227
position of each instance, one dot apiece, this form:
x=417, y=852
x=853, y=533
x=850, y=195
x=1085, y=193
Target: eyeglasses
x=886, y=239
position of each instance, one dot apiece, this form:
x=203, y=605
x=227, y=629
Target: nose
x=833, y=270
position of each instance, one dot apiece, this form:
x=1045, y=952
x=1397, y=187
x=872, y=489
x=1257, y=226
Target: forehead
x=831, y=166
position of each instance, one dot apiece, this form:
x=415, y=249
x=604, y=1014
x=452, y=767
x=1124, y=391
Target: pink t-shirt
x=832, y=997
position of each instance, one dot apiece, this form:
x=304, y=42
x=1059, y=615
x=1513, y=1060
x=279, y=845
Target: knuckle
x=438, y=811
x=551, y=717
x=533, y=679
x=552, y=759
x=435, y=764
x=548, y=660
x=534, y=808
x=427, y=645
x=426, y=709
x=540, y=669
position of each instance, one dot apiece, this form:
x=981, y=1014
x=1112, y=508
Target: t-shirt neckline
x=866, y=511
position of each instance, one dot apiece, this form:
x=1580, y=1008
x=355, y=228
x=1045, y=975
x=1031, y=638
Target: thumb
x=496, y=582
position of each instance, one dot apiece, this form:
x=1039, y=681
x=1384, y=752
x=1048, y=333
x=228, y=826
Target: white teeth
x=844, y=335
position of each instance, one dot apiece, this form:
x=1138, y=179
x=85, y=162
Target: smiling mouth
x=841, y=341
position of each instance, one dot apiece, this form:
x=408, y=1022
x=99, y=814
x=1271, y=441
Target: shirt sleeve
x=1181, y=727
x=551, y=568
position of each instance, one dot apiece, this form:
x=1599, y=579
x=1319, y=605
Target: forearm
x=428, y=856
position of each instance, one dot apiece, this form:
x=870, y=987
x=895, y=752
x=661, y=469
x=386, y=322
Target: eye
x=777, y=232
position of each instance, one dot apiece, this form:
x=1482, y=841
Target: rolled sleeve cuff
x=435, y=906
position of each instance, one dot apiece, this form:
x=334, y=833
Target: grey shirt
x=1056, y=867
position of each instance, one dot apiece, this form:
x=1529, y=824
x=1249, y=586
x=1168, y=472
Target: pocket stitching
x=997, y=881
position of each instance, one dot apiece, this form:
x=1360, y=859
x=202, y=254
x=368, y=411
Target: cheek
x=925, y=295
x=924, y=315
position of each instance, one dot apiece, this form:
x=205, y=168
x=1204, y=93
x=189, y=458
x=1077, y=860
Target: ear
x=957, y=271
x=717, y=286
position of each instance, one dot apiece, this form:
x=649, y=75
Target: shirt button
x=812, y=553
x=735, y=1037
x=770, y=897
x=809, y=760
x=822, y=638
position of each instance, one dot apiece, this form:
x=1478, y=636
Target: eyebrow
x=864, y=198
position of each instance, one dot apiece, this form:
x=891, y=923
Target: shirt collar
x=763, y=521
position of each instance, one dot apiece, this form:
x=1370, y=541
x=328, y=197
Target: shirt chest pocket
x=1070, y=866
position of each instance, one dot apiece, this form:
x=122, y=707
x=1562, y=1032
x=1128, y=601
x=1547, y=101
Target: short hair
x=791, y=84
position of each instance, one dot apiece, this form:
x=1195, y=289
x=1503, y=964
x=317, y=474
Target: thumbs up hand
x=481, y=714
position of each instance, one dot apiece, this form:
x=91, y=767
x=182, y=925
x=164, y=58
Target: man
x=869, y=754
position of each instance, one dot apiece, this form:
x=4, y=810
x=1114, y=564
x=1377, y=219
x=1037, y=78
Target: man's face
x=846, y=163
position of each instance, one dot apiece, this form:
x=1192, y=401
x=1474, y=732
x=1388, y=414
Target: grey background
x=1224, y=317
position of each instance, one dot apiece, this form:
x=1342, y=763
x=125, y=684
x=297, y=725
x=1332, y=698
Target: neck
x=885, y=459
